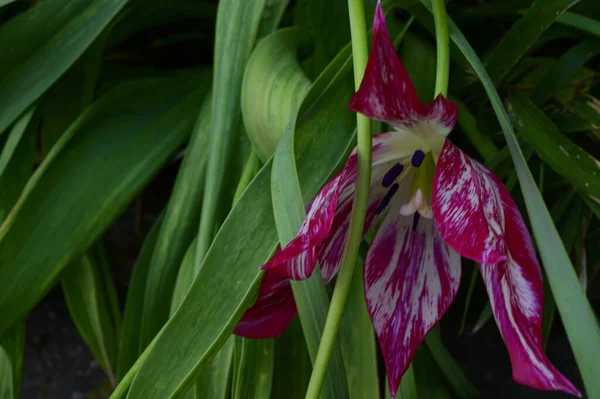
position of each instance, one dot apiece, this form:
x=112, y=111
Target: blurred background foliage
x=136, y=140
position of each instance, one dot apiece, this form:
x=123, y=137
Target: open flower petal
x=516, y=294
x=467, y=207
x=324, y=229
x=387, y=93
x=411, y=278
x=273, y=310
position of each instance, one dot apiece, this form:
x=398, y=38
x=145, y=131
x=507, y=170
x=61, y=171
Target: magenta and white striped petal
x=273, y=310
x=387, y=93
x=467, y=207
x=323, y=232
x=297, y=260
x=516, y=294
x=411, y=278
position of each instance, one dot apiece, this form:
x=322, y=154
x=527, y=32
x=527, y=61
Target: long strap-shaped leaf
x=39, y=45
x=91, y=174
x=523, y=35
x=577, y=315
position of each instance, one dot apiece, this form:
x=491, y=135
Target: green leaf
x=117, y=145
x=357, y=342
x=429, y=380
x=567, y=159
x=130, y=348
x=253, y=370
x=292, y=366
x=578, y=318
x=229, y=277
x=215, y=380
x=6, y=376
x=235, y=36
x=13, y=343
x=448, y=366
x=88, y=301
x=408, y=385
x=485, y=315
x=14, y=138
x=418, y=57
x=19, y=162
x=522, y=36
x=41, y=43
x=482, y=143
x=580, y=22
x=64, y=101
x=563, y=69
x=177, y=230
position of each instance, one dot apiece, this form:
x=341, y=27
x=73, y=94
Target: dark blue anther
x=416, y=218
x=386, y=200
x=417, y=158
x=391, y=175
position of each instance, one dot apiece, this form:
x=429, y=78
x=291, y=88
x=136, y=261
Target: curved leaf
x=117, y=146
x=41, y=43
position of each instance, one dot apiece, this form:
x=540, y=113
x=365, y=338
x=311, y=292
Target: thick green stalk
x=360, y=53
x=443, y=47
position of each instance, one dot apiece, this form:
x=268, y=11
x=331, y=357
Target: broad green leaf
x=274, y=84
x=19, y=164
x=215, y=379
x=13, y=344
x=569, y=160
x=564, y=68
x=418, y=57
x=408, y=385
x=117, y=145
x=130, y=347
x=64, y=101
x=229, y=277
x=448, y=366
x=235, y=36
x=523, y=35
x=41, y=43
x=89, y=305
x=178, y=228
x=5, y=2
x=292, y=365
x=357, y=342
x=253, y=368
x=14, y=138
x=6, y=376
x=577, y=315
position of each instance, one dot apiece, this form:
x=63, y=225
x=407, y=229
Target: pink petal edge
x=467, y=207
x=272, y=312
x=322, y=234
x=516, y=293
x=386, y=92
x=411, y=278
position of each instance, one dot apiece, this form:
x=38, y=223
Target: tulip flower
x=431, y=204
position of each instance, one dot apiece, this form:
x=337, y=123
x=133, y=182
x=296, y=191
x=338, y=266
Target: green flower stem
x=360, y=53
x=443, y=47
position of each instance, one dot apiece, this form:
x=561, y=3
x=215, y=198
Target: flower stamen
x=421, y=186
